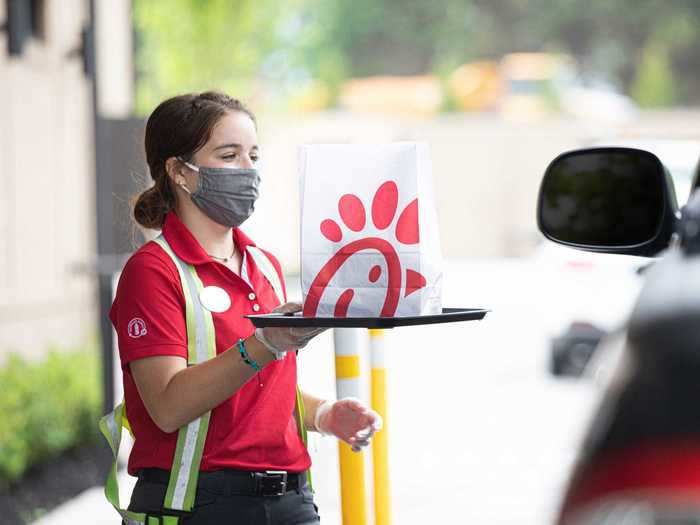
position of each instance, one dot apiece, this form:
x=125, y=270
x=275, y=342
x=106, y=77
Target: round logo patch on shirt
x=215, y=299
x=137, y=328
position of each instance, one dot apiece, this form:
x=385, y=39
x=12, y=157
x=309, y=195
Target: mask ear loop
x=190, y=166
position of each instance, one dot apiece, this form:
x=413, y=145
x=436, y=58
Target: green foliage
x=653, y=86
x=189, y=45
x=268, y=50
x=46, y=408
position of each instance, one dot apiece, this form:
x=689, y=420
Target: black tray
x=448, y=315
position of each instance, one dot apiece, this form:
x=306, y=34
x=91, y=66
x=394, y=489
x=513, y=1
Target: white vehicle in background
x=680, y=156
x=535, y=84
x=605, y=285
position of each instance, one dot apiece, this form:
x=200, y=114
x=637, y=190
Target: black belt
x=238, y=482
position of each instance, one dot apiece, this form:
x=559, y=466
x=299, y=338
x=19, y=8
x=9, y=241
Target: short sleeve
x=148, y=312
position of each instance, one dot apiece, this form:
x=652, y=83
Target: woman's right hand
x=279, y=340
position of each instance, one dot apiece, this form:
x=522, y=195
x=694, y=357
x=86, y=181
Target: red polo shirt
x=255, y=428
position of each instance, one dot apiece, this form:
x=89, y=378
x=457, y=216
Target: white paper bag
x=369, y=233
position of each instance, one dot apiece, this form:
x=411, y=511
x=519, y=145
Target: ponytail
x=153, y=204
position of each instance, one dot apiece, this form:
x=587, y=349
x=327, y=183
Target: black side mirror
x=609, y=200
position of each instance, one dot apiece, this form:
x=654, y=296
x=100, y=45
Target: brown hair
x=178, y=127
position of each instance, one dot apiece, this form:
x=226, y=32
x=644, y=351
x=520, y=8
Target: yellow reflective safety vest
x=201, y=346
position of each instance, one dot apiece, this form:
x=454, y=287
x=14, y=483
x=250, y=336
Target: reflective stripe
x=199, y=312
x=114, y=432
x=189, y=305
x=185, y=466
x=130, y=519
x=265, y=265
x=190, y=440
x=244, y=269
x=111, y=428
x=299, y=413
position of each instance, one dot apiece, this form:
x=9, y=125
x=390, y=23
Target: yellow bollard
x=352, y=464
x=380, y=441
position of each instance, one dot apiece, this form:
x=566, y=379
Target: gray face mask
x=225, y=195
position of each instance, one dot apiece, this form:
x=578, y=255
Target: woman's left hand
x=348, y=419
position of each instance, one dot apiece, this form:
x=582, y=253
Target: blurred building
x=47, y=201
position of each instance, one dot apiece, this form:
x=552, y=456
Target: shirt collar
x=187, y=247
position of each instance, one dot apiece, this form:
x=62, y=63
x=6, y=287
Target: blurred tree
x=399, y=36
x=334, y=39
x=186, y=45
x=653, y=86
x=607, y=38
x=189, y=45
x=269, y=50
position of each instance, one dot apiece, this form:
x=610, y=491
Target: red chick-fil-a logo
x=354, y=217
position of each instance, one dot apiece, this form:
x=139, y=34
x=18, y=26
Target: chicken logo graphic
x=389, y=230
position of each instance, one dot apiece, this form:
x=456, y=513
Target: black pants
x=215, y=504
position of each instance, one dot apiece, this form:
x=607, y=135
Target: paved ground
x=479, y=433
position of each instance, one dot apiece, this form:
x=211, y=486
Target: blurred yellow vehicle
x=408, y=95
x=476, y=86
x=532, y=82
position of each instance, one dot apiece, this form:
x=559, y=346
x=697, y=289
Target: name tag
x=215, y=299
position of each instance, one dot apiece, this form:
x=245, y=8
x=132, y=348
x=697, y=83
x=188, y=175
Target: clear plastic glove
x=348, y=419
x=280, y=340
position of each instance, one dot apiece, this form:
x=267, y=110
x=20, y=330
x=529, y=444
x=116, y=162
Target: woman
x=218, y=420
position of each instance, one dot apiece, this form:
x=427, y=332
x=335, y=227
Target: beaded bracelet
x=246, y=358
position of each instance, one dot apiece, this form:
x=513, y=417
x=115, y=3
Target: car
x=639, y=462
x=573, y=350
x=569, y=354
